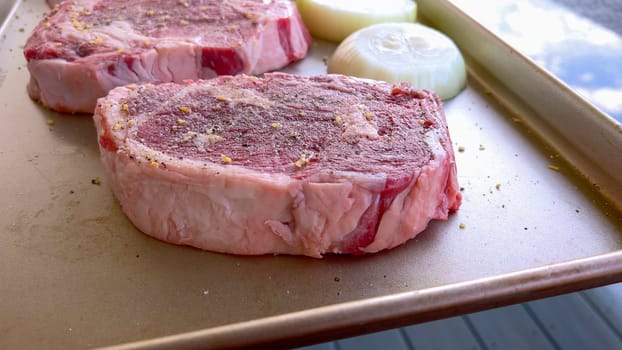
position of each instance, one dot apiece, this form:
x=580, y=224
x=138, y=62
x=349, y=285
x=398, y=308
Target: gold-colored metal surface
x=75, y=273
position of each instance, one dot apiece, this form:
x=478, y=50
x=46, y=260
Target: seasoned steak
x=282, y=164
x=84, y=48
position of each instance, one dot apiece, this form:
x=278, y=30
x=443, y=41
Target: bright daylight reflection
x=584, y=55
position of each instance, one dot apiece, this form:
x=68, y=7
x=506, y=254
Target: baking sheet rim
x=379, y=313
x=367, y=315
x=373, y=314
x=581, y=115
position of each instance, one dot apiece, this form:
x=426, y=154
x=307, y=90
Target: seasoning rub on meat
x=84, y=48
x=283, y=164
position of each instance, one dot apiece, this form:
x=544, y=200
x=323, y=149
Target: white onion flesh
x=334, y=20
x=402, y=52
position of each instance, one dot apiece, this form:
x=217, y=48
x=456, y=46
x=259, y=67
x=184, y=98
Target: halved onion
x=334, y=20
x=397, y=52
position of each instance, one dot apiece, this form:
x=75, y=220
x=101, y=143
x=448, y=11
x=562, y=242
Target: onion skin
x=402, y=52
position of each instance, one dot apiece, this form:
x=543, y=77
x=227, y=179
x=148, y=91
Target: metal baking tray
x=541, y=213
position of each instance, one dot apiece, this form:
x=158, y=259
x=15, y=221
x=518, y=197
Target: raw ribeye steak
x=84, y=48
x=283, y=164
